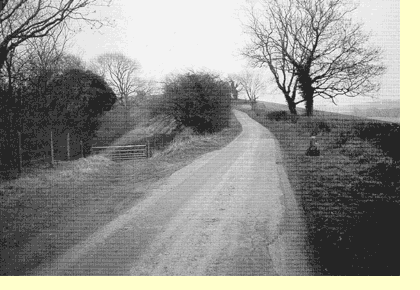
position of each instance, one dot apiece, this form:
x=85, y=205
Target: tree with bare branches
x=21, y=20
x=234, y=87
x=252, y=84
x=316, y=46
x=121, y=73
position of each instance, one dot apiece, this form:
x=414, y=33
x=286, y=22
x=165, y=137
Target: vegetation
x=350, y=194
x=22, y=20
x=313, y=47
x=252, y=84
x=41, y=213
x=32, y=41
x=77, y=99
x=200, y=101
x=122, y=75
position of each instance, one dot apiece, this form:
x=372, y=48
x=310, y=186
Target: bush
x=385, y=136
x=277, y=116
x=200, y=101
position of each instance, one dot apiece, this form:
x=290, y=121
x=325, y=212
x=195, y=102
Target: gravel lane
x=230, y=212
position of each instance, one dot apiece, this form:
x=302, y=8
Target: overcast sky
x=168, y=36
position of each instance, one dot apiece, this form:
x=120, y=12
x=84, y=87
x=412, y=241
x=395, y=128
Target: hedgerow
x=198, y=100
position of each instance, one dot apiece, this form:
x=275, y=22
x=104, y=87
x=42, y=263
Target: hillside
x=350, y=193
x=48, y=210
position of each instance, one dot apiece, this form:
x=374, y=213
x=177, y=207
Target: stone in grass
x=313, y=148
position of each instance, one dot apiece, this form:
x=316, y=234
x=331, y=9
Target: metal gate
x=123, y=153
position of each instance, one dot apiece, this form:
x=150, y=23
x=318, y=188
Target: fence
x=69, y=150
x=123, y=153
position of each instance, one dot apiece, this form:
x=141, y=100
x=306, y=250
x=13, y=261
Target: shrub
x=278, y=116
x=323, y=127
x=200, y=101
x=385, y=136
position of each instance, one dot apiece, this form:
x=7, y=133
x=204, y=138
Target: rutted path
x=230, y=212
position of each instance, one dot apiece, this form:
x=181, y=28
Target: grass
x=45, y=212
x=114, y=126
x=350, y=194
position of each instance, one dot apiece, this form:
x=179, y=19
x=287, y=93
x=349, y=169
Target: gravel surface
x=230, y=212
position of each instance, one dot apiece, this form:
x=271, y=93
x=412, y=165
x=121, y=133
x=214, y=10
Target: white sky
x=168, y=36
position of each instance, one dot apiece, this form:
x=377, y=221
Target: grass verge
x=350, y=194
x=44, y=213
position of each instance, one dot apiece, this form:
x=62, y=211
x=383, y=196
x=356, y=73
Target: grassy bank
x=114, y=124
x=349, y=194
x=45, y=212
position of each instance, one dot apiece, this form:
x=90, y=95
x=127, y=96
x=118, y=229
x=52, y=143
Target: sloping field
x=47, y=211
x=350, y=193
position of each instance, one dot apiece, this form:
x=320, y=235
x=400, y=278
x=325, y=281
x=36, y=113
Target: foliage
x=277, y=116
x=197, y=100
x=76, y=99
x=32, y=24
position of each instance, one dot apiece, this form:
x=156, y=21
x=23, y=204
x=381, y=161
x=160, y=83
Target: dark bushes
x=350, y=194
x=277, y=116
x=200, y=101
x=385, y=136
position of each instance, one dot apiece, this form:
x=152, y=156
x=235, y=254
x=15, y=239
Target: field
x=47, y=211
x=350, y=193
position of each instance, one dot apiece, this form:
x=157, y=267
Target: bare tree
x=146, y=87
x=319, y=47
x=121, y=73
x=234, y=87
x=21, y=20
x=252, y=84
x=261, y=51
x=24, y=20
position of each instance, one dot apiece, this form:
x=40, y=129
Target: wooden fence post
x=68, y=146
x=20, y=152
x=81, y=149
x=52, y=149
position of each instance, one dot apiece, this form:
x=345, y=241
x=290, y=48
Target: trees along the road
x=77, y=98
x=20, y=21
x=122, y=75
x=252, y=83
x=313, y=47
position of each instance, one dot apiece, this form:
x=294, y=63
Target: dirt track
x=230, y=212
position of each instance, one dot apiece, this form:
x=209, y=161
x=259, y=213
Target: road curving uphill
x=230, y=212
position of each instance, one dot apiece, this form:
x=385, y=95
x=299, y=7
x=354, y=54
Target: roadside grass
x=46, y=212
x=350, y=194
x=114, y=125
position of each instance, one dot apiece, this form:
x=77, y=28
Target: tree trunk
x=10, y=150
x=309, y=105
x=3, y=54
x=305, y=84
x=292, y=106
x=52, y=148
x=10, y=154
x=126, y=116
x=10, y=147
